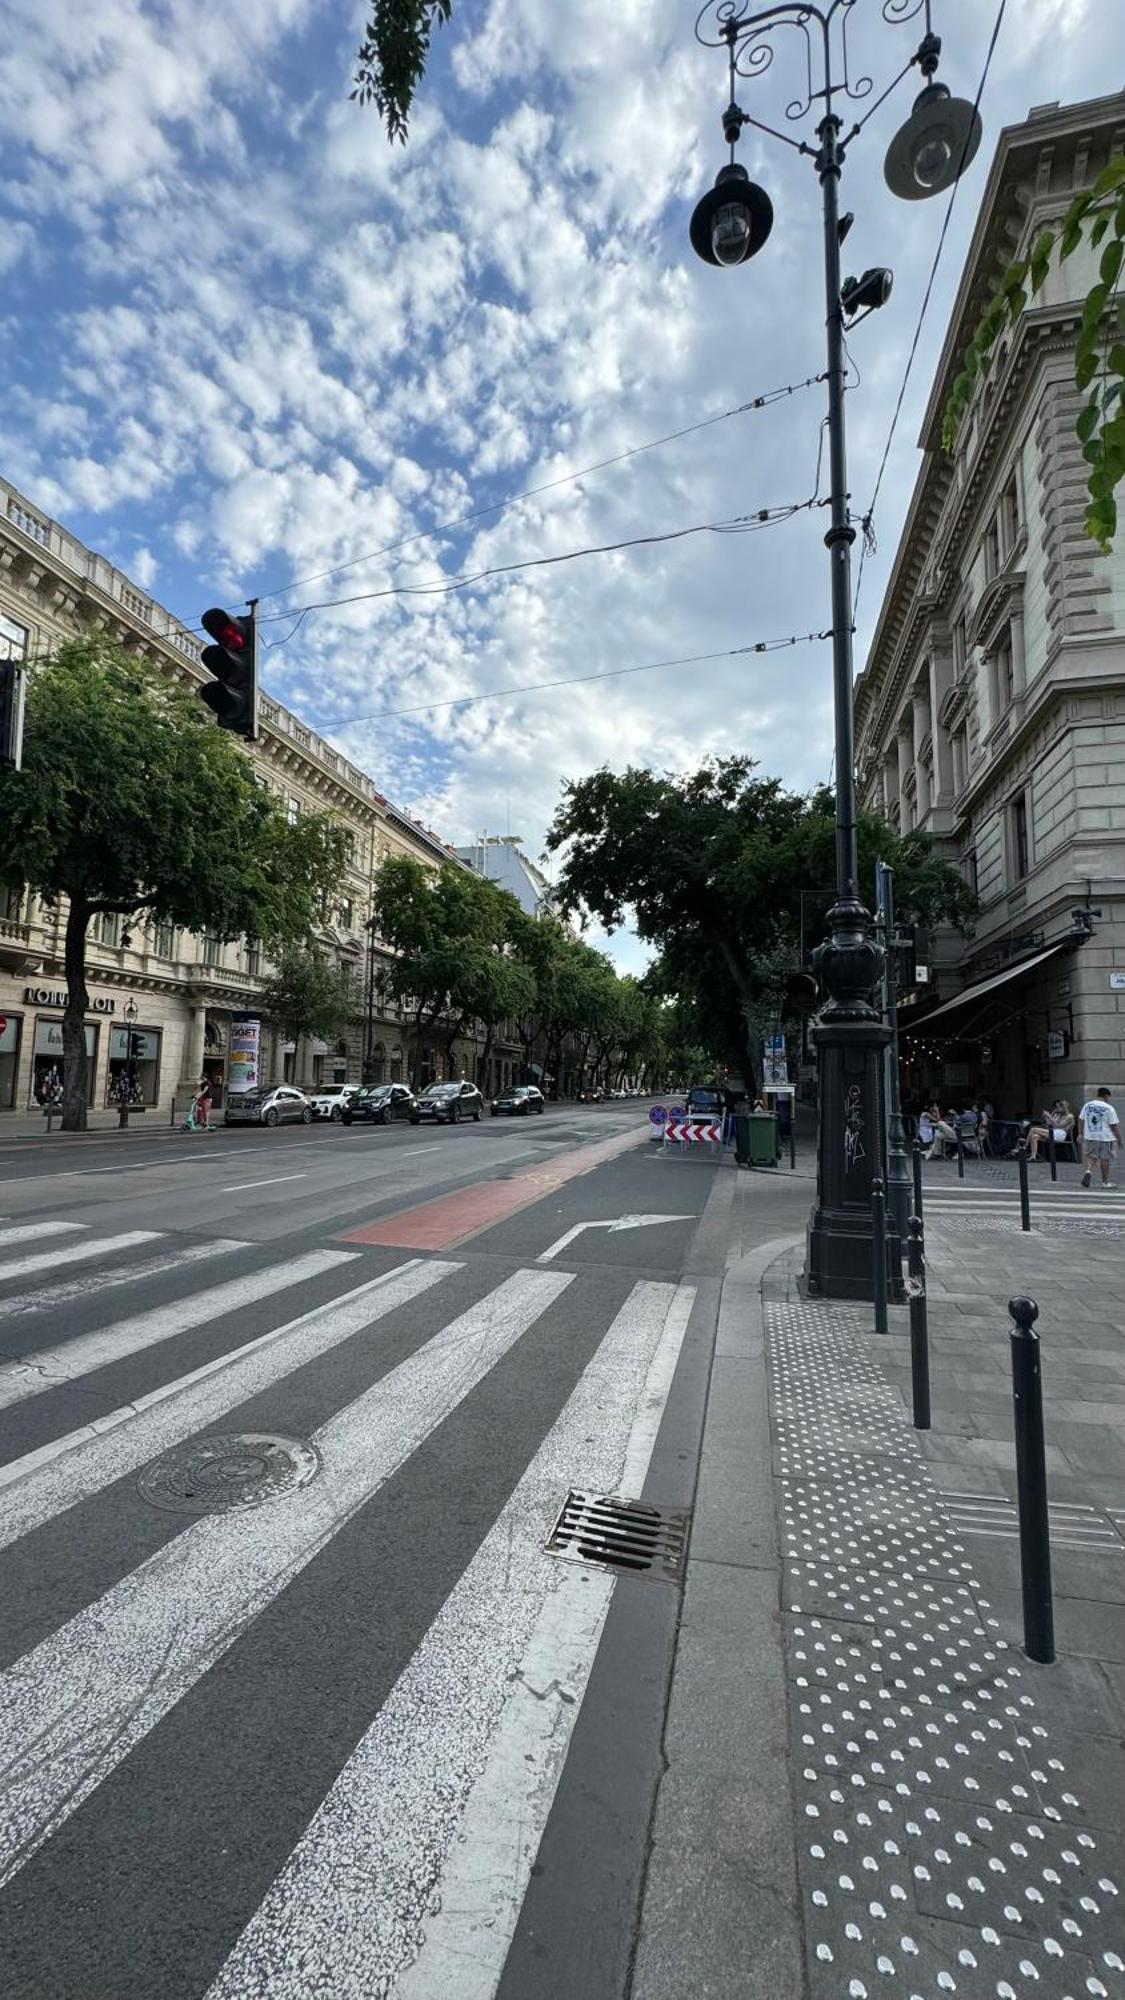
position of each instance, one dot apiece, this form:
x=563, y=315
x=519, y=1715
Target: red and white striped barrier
x=693, y=1134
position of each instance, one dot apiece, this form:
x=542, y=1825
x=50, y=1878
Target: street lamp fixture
x=125, y=1083
x=729, y=226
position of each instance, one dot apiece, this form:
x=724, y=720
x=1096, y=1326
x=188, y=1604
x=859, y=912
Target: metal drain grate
x=621, y=1534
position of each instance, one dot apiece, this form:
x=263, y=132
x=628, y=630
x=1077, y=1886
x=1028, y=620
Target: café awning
x=982, y=987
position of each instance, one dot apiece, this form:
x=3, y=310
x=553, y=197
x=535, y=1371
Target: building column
x=941, y=680
x=920, y=708
x=905, y=760
x=191, y=1067
x=1019, y=655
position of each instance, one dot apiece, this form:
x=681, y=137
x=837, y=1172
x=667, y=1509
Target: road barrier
x=1031, y=1484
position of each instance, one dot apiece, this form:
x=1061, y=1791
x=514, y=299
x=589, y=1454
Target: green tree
x=130, y=801
x=393, y=55
x=1099, y=353
x=711, y=865
x=452, y=934
x=306, y=995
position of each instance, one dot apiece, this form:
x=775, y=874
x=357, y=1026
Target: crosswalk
x=1053, y=1204
x=394, y=1626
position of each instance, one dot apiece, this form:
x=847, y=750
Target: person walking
x=1099, y=1131
x=203, y=1103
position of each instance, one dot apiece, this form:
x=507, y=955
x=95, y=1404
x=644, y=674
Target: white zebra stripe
x=72, y=1468
x=102, y=1281
x=496, y=1683
x=31, y=1232
x=32, y=1374
x=75, y=1706
x=76, y=1253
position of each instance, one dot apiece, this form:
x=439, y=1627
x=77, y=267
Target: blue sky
x=245, y=341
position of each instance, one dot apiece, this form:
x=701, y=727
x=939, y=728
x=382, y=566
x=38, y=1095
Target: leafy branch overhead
x=1099, y=355
x=393, y=55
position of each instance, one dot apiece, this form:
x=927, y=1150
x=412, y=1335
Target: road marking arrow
x=621, y=1222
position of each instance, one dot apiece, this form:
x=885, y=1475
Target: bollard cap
x=1024, y=1311
x=914, y=1225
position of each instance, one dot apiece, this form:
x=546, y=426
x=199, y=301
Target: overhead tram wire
x=740, y=524
x=578, y=680
x=867, y=519
x=762, y=402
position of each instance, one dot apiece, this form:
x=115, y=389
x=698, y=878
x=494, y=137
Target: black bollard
x=879, y=1251
x=1025, y=1200
x=960, y=1154
x=919, y=1332
x=1031, y=1484
x=917, y=1165
x=1052, y=1154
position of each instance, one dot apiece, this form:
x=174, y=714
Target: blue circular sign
x=658, y=1115
x=677, y=1111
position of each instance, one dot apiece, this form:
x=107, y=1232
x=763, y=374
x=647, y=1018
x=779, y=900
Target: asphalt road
x=323, y=1717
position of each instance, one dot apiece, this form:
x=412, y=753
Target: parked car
x=332, y=1100
x=447, y=1104
x=282, y=1105
x=518, y=1100
x=379, y=1104
x=706, y=1100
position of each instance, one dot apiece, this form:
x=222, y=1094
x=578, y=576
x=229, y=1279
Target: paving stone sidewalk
x=958, y=1809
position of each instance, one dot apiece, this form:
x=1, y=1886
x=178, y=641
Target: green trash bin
x=763, y=1139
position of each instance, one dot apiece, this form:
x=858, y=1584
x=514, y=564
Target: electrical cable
x=762, y=402
x=868, y=540
x=577, y=680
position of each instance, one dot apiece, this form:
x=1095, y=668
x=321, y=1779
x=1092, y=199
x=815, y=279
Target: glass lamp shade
x=933, y=148
x=733, y=220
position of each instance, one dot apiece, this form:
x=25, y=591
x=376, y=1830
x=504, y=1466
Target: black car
x=520, y=1099
x=446, y=1104
x=379, y=1104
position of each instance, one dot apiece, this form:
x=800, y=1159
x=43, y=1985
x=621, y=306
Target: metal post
x=793, y=1132
x=919, y=1331
x=1025, y=1201
x=879, y=1250
x=1052, y=1153
x=898, y=1178
x=1031, y=1484
x=960, y=1152
x=916, y=1162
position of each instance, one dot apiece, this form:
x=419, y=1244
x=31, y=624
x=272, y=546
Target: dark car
x=446, y=1104
x=379, y=1104
x=519, y=1100
x=706, y=1100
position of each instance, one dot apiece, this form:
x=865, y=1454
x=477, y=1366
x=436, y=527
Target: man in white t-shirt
x=1099, y=1131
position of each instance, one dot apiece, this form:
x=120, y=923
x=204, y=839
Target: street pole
x=849, y=1038
x=898, y=1171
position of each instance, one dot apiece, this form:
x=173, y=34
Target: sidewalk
x=870, y=1790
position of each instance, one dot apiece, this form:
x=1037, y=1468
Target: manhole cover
x=216, y=1475
x=621, y=1534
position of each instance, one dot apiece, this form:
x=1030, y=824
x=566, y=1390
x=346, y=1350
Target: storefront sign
x=1056, y=1045
x=49, y=996
x=243, y=1067
x=1117, y=982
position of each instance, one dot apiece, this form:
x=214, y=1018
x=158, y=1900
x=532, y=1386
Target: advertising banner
x=775, y=1072
x=244, y=1054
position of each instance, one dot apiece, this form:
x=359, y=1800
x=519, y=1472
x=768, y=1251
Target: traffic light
x=12, y=684
x=233, y=660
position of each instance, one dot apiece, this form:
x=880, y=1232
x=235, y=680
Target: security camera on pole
x=730, y=225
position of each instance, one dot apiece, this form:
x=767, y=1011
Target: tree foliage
x=131, y=801
x=393, y=55
x=1099, y=354
x=711, y=866
x=306, y=995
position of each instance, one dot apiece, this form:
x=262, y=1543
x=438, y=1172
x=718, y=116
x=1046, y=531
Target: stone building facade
x=185, y=990
x=991, y=708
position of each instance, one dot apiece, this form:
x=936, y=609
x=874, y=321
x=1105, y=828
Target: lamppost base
x=839, y=1253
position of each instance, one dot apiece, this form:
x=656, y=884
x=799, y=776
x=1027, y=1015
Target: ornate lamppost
x=729, y=226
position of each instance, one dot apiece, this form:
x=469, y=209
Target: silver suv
x=282, y=1105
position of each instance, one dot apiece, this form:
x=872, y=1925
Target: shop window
x=13, y=639
x=1019, y=852
x=10, y=1034
x=134, y=1062
x=47, y=1059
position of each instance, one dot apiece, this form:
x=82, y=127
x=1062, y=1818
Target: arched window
x=396, y=1064
x=379, y=1065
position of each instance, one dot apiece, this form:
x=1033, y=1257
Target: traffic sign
x=657, y=1115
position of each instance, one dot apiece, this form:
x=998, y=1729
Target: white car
x=330, y=1102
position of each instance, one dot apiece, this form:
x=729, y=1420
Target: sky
x=249, y=348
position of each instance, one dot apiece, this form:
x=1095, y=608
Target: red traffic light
x=233, y=660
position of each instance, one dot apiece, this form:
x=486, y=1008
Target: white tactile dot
x=922, y=1759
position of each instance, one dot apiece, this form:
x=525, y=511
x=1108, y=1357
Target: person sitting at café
x=942, y=1131
x=1058, y=1120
